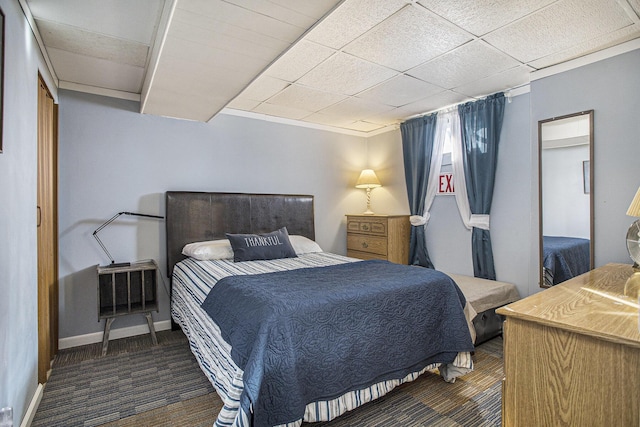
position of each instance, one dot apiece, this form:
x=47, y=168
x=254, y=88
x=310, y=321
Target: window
x=446, y=148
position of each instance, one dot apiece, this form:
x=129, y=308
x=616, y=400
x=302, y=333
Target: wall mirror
x=566, y=197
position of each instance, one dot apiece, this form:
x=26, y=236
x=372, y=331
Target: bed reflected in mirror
x=566, y=204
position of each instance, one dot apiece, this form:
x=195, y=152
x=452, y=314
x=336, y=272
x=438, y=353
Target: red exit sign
x=445, y=183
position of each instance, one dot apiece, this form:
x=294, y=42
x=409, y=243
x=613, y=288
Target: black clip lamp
x=113, y=218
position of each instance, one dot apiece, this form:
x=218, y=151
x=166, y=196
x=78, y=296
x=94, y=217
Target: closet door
x=47, y=225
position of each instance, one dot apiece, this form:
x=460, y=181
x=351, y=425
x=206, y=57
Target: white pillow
x=302, y=245
x=221, y=249
x=212, y=249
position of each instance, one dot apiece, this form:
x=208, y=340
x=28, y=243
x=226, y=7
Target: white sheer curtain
x=459, y=182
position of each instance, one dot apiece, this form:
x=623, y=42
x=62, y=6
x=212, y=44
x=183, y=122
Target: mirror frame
x=591, y=189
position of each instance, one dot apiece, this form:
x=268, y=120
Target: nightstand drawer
x=369, y=226
x=371, y=244
x=365, y=255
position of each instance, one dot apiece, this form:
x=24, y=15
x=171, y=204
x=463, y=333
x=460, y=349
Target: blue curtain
x=480, y=124
x=417, y=148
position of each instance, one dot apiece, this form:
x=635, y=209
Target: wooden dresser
x=572, y=354
x=379, y=237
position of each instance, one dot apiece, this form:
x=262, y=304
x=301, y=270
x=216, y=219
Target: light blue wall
x=18, y=251
x=114, y=159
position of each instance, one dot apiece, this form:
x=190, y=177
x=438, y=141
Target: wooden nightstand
x=124, y=290
x=379, y=237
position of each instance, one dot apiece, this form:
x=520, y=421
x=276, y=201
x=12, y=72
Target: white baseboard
x=114, y=334
x=33, y=407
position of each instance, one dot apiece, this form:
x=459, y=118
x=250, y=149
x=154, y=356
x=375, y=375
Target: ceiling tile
x=129, y=20
x=511, y=78
x=408, y=38
x=203, y=32
x=187, y=54
x=180, y=106
x=345, y=74
x=340, y=27
x=180, y=97
x=82, y=42
x=316, y=8
x=559, y=27
x=465, y=64
x=299, y=60
x=96, y=72
x=226, y=13
x=593, y=45
x=263, y=88
x=352, y=109
x=276, y=11
x=400, y=90
x=243, y=104
x=328, y=120
x=483, y=16
x=203, y=85
x=305, y=98
x=363, y=126
x=281, y=111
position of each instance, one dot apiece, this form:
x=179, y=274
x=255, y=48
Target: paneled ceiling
x=354, y=65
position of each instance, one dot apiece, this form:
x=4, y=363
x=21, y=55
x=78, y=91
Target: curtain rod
x=507, y=94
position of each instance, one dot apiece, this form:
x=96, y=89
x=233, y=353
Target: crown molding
x=62, y=84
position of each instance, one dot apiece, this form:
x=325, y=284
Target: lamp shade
x=368, y=179
x=634, y=209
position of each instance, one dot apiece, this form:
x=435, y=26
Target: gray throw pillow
x=252, y=247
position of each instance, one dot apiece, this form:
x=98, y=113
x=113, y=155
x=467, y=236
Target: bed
x=564, y=258
x=280, y=387
x=485, y=296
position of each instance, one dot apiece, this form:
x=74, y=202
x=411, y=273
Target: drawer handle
x=365, y=227
x=365, y=245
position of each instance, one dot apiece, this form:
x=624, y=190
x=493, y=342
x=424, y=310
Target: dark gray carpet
x=85, y=389
x=473, y=400
x=137, y=384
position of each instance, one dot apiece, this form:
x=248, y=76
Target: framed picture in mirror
x=585, y=177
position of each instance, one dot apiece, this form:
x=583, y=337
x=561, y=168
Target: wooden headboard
x=199, y=216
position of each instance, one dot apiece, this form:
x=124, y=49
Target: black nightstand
x=124, y=290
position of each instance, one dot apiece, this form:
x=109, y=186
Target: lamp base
x=118, y=264
x=368, y=212
x=632, y=286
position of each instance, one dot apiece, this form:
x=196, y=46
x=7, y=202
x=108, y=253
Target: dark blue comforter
x=315, y=333
x=564, y=258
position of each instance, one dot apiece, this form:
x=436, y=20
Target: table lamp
x=109, y=221
x=368, y=180
x=632, y=287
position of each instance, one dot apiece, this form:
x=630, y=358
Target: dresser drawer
x=363, y=243
x=365, y=255
x=369, y=226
